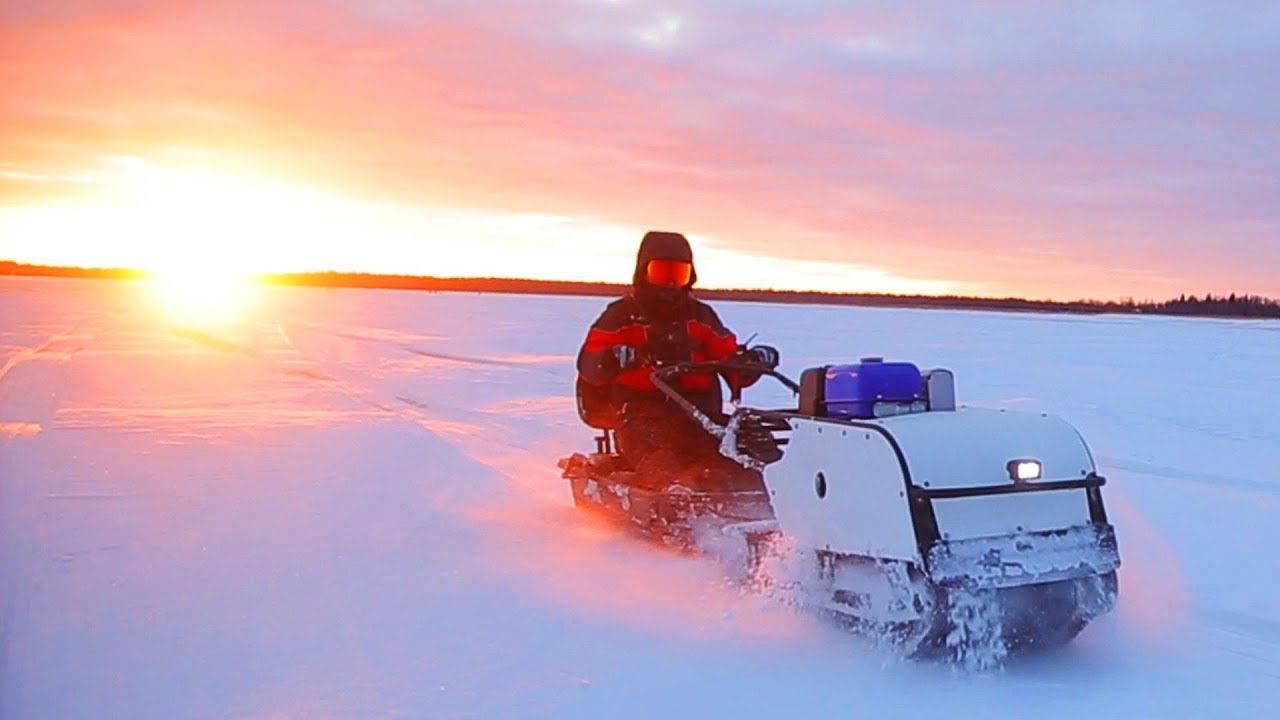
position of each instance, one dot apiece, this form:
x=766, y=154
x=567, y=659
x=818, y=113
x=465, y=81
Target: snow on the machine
x=924, y=520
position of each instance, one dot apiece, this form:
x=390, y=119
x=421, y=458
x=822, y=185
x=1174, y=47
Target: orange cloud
x=829, y=135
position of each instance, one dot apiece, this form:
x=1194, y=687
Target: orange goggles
x=676, y=273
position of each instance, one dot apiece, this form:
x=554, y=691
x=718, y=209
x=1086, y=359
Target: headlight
x=1025, y=470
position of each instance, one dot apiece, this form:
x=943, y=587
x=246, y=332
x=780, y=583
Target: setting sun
x=203, y=296
x=198, y=234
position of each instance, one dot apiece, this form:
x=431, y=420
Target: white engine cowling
x=855, y=486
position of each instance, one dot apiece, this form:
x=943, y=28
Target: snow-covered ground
x=349, y=507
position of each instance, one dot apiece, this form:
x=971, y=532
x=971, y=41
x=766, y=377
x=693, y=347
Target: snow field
x=348, y=506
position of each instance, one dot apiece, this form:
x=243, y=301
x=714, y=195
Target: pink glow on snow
x=1153, y=593
x=285, y=520
x=19, y=429
x=573, y=560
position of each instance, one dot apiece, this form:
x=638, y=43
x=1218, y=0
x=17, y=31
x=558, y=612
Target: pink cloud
x=996, y=152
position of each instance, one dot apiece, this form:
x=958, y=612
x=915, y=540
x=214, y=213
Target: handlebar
x=661, y=375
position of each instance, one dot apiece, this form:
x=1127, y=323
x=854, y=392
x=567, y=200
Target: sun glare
x=202, y=234
x=203, y=296
x=203, y=230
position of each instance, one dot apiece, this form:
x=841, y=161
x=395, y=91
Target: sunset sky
x=1037, y=148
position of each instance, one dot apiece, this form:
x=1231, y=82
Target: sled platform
x=676, y=517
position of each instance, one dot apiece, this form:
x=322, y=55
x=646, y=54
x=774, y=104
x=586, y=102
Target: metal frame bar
x=660, y=376
x=1091, y=481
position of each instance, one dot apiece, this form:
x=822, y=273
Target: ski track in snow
x=349, y=507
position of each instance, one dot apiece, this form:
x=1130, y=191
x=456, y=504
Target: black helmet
x=658, y=245
x=664, y=285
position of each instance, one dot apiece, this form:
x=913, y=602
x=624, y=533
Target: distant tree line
x=9, y=267
x=1233, y=305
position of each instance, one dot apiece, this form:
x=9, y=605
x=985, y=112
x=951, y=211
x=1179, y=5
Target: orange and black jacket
x=692, y=333
x=664, y=326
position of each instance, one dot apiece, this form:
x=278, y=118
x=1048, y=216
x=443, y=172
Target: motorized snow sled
x=935, y=525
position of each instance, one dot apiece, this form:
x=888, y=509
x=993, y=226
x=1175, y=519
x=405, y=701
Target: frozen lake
x=349, y=507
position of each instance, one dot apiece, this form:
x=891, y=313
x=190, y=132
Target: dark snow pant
x=667, y=447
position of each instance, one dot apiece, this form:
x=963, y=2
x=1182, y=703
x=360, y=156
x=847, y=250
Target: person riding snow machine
x=659, y=324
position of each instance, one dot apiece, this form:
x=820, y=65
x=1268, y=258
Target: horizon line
x=598, y=287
